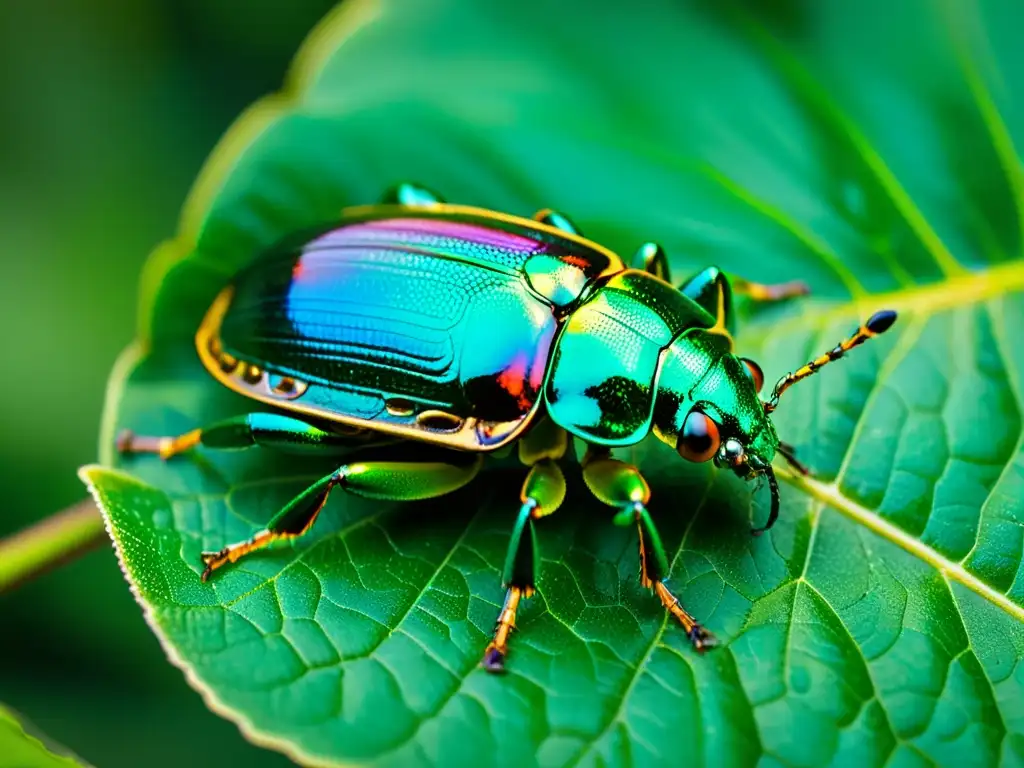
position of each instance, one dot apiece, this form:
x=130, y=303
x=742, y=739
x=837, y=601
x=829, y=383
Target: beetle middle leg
x=543, y=492
x=621, y=485
x=386, y=480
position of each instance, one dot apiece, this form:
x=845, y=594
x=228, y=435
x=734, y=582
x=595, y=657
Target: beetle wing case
x=436, y=325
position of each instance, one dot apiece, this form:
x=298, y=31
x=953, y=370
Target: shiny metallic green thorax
x=639, y=355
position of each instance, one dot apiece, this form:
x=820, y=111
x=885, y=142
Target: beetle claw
x=212, y=561
x=702, y=639
x=494, y=659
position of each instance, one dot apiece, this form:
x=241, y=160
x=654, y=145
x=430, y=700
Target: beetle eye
x=699, y=439
x=755, y=373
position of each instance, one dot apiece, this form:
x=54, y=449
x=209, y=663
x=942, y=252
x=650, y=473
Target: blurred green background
x=110, y=108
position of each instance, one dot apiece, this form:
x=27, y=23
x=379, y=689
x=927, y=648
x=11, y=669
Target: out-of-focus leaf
x=868, y=149
x=21, y=747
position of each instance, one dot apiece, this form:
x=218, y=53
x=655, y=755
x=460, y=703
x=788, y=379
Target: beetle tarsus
x=494, y=659
x=125, y=440
x=770, y=291
x=497, y=651
x=165, y=447
x=701, y=639
x=212, y=561
x=233, y=552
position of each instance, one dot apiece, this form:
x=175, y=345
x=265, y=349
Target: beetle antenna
x=773, y=514
x=880, y=322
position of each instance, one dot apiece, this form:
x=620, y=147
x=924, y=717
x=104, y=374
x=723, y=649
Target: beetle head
x=719, y=416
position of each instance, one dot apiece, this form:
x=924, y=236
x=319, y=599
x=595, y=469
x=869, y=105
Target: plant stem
x=54, y=541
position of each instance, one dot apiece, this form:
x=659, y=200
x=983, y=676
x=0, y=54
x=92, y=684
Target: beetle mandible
x=454, y=331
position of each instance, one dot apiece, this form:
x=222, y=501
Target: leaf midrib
x=830, y=494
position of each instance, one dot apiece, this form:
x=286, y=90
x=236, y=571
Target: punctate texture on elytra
x=879, y=622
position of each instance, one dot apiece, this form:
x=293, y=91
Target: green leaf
x=23, y=747
x=867, y=148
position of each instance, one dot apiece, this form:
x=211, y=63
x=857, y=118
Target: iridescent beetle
x=455, y=331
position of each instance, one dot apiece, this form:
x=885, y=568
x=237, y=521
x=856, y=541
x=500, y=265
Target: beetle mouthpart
x=732, y=454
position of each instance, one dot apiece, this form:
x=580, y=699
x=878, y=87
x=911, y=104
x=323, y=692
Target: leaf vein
x=833, y=497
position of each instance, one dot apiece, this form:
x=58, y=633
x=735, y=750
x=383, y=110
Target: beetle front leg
x=271, y=430
x=542, y=493
x=393, y=481
x=714, y=290
x=621, y=485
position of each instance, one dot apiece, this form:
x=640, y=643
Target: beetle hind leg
x=713, y=290
x=164, y=447
x=388, y=480
x=769, y=291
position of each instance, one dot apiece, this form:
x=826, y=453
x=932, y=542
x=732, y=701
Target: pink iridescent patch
x=428, y=229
